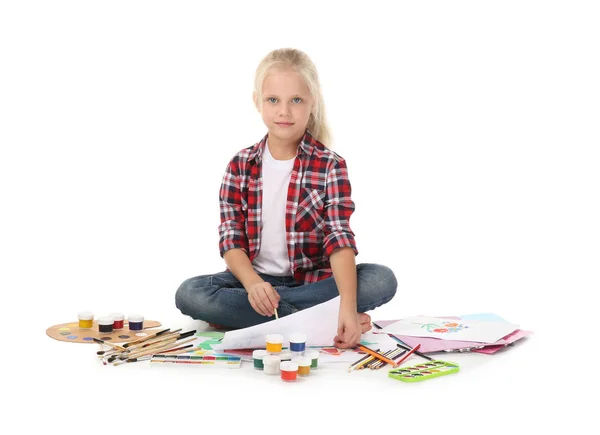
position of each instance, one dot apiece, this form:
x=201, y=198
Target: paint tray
x=422, y=372
x=223, y=361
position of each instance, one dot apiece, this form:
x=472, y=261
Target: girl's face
x=286, y=104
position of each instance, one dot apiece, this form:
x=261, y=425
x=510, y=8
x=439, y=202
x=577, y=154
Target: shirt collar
x=306, y=146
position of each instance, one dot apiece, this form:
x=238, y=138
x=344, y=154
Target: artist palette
x=421, y=372
x=73, y=333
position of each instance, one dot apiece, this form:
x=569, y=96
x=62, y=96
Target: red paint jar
x=118, y=320
x=288, y=370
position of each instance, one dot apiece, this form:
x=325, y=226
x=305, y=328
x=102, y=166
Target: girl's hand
x=349, y=329
x=263, y=298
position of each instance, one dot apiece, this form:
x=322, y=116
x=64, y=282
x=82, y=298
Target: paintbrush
x=158, y=348
x=170, y=339
x=176, y=351
x=161, y=343
x=102, y=342
x=164, y=338
x=156, y=339
x=148, y=337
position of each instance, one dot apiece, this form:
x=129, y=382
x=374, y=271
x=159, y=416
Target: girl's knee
x=378, y=281
x=182, y=295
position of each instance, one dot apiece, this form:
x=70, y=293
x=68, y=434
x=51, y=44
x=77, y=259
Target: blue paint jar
x=136, y=322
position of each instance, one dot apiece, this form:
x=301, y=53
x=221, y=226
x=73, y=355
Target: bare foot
x=365, y=322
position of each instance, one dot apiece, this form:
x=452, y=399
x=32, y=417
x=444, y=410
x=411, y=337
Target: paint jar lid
x=312, y=354
x=286, y=355
x=274, y=338
x=136, y=318
x=105, y=321
x=271, y=359
x=298, y=338
x=302, y=361
x=86, y=315
x=288, y=366
x=259, y=353
x=117, y=316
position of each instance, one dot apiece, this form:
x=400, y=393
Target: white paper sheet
x=319, y=323
x=450, y=329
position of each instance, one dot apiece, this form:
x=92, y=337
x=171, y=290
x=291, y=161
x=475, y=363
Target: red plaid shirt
x=317, y=214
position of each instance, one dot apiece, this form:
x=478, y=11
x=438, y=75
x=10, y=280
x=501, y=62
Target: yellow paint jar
x=86, y=319
x=274, y=343
x=303, y=365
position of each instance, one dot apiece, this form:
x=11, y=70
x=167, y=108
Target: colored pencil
x=397, y=354
x=378, y=355
x=388, y=353
x=361, y=361
x=276, y=315
x=366, y=363
x=422, y=355
x=404, y=346
x=410, y=352
x=392, y=354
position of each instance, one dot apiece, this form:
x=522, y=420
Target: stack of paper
x=483, y=333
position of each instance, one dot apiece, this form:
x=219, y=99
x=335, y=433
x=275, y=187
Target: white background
x=471, y=135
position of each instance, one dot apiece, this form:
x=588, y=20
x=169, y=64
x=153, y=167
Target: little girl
x=285, y=210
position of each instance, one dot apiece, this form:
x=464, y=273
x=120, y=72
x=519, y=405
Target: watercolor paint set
x=224, y=361
x=422, y=372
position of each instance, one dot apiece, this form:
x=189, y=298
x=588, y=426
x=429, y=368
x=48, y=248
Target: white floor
x=490, y=392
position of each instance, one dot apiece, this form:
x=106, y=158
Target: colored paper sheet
x=451, y=329
x=430, y=345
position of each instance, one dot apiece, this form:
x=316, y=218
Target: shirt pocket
x=310, y=215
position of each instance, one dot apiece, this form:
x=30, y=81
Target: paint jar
x=285, y=355
x=86, y=319
x=297, y=343
x=271, y=364
x=258, y=356
x=118, y=320
x=105, y=325
x=136, y=322
x=289, y=370
x=303, y=365
x=313, y=355
x=274, y=343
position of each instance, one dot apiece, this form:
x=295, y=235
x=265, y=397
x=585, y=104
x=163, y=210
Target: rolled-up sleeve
x=338, y=209
x=232, y=233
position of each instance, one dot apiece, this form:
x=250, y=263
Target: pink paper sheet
x=429, y=345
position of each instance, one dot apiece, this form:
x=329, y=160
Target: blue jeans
x=222, y=299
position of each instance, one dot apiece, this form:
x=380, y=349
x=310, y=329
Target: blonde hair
x=299, y=61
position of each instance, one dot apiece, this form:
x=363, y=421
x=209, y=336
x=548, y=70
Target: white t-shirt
x=272, y=257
